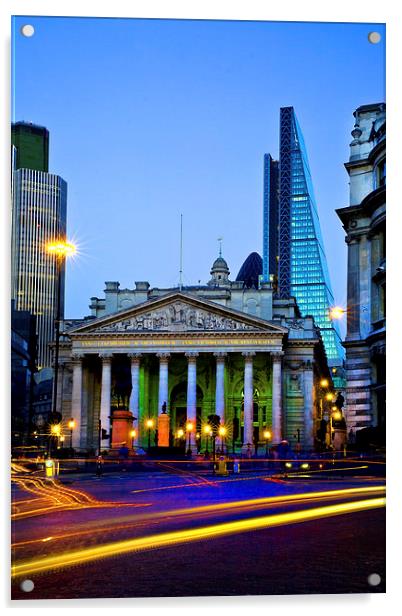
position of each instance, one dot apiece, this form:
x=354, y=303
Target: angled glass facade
x=270, y=213
x=302, y=268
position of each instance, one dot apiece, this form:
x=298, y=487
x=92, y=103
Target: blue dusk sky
x=150, y=119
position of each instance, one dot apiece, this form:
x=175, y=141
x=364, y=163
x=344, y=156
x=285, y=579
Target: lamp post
x=150, y=425
x=207, y=432
x=55, y=432
x=60, y=250
x=267, y=436
x=179, y=435
x=71, y=425
x=133, y=434
x=222, y=433
x=189, y=429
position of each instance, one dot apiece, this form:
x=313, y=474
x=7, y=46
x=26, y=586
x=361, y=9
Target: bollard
x=50, y=469
x=236, y=466
x=222, y=466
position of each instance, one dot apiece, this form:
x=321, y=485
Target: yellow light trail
x=126, y=522
x=195, y=534
x=52, y=496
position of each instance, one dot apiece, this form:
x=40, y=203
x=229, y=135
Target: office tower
x=38, y=217
x=32, y=146
x=302, y=266
x=270, y=213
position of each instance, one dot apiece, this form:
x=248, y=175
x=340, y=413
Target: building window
x=380, y=174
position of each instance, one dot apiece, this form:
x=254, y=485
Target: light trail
x=52, y=496
x=189, y=535
x=127, y=522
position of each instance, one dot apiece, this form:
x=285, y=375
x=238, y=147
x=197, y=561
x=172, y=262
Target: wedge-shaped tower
x=302, y=270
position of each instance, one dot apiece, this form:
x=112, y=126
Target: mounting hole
x=27, y=30
x=374, y=579
x=374, y=37
x=27, y=585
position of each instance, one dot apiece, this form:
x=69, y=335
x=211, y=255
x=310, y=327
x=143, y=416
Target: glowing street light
x=336, y=312
x=55, y=432
x=329, y=397
x=222, y=434
x=71, y=425
x=59, y=249
x=189, y=429
x=267, y=436
x=149, y=424
x=207, y=432
x=133, y=434
x=324, y=382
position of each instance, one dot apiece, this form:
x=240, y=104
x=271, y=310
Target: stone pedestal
x=163, y=430
x=122, y=423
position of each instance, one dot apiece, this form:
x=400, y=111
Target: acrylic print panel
x=198, y=401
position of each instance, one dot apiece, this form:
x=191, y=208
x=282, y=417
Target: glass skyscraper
x=294, y=251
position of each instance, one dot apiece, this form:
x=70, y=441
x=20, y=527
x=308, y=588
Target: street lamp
x=222, y=433
x=150, y=425
x=71, y=425
x=60, y=250
x=267, y=436
x=336, y=312
x=133, y=434
x=189, y=429
x=207, y=432
x=55, y=431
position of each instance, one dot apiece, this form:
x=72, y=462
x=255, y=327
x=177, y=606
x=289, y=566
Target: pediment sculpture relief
x=176, y=317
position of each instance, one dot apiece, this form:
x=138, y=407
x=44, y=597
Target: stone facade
x=218, y=348
x=364, y=223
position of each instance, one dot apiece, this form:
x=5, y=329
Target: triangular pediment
x=177, y=312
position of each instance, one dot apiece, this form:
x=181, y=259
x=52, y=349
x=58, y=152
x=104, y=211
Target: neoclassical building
x=364, y=221
x=226, y=348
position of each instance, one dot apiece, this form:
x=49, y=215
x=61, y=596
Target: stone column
x=106, y=397
x=220, y=386
x=163, y=380
x=76, y=399
x=135, y=393
x=308, y=381
x=365, y=285
x=60, y=380
x=192, y=389
x=277, y=397
x=353, y=291
x=248, y=399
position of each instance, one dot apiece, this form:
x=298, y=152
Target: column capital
x=106, y=357
x=77, y=358
x=277, y=356
x=220, y=355
x=163, y=357
x=135, y=357
x=248, y=354
x=192, y=356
